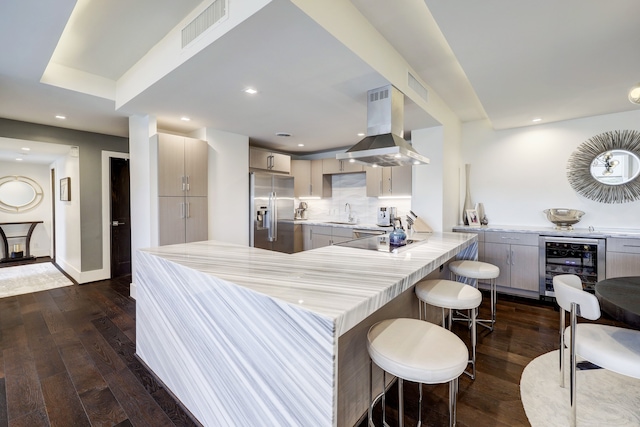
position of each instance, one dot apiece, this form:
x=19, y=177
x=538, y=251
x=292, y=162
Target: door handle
x=116, y=223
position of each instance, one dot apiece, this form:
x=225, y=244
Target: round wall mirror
x=615, y=167
x=606, y=168
x=19, y=194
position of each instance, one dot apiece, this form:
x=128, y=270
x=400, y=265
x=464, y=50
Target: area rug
x=24, y=279
x=604, y=398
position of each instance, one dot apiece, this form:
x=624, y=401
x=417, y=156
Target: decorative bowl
x=563, y=217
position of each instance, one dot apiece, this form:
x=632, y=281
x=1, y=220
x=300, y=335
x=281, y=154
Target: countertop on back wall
x=329, y=223
x=595, y=233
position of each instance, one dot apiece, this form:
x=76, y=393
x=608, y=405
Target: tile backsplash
x=352, y=188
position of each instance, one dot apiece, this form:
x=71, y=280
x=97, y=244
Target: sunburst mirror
x=606, y=167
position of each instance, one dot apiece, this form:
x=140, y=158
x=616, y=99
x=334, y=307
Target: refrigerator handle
x=274, y=217
x=270, y=214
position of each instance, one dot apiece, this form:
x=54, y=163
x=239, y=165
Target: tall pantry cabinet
x=182, y=189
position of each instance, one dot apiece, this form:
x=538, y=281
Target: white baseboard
x=132, y=290
x=82, y=276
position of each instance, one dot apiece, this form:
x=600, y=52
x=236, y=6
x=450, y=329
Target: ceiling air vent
x=417, y=86
x=209, y=17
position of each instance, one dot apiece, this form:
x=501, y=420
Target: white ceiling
x=503, y=60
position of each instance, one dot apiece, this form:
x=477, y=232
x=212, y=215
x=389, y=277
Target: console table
x=27, y=237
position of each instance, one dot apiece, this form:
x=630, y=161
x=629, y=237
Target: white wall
x=41, y=237
x=518, y=173
x=68, y=246
x=228, y=186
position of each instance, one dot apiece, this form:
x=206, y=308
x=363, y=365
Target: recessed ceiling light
x=361, y=134
x=300, y=145
x=250, y=91
x=536, y=120
x=19, y=159
x=60, y=117
x=185, y=119
x=26, y=149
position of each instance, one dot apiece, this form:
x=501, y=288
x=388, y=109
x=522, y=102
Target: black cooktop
x=378, y=243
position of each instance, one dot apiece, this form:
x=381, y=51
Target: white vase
x=467, y=197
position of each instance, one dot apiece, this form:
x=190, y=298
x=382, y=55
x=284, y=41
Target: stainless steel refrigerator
x=272, y=209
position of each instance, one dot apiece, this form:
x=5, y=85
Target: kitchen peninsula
x=245, y=336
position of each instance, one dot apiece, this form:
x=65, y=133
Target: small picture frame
x=65, y=189
x=473, y=218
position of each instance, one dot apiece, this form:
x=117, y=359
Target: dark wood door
x=120, y=218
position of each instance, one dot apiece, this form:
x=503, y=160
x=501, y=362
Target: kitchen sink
x=342, y=222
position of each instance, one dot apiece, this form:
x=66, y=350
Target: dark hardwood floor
x=525, y=329
x=68, y=359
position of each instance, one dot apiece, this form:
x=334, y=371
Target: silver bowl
x=563, y=217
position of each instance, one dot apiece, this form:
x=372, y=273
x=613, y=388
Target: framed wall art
x=474, y=219
x=65, y=189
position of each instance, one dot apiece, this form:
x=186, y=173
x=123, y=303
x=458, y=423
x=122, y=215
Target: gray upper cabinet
x=270, y=161
x=389, y=181
x=309, y=181
x=182, y=166
x=331, y=166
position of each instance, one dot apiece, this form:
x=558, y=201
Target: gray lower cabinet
x=623, y=257
x=182, y=220
x=517, y=256
x=318, y=236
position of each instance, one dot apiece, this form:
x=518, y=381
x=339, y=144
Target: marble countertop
x=328, y=223
x=597, y=233
x=339, y=283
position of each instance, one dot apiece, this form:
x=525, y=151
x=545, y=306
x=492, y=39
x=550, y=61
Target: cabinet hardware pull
x=183, y=183
x=188, y=210
x=188, y=185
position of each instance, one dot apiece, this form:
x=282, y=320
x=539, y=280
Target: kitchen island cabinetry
x=246, y=336
x=623, y=257
x=517, y=256
x=309, y=180
x=389, y=181
x=318, y=236
x=269, y=161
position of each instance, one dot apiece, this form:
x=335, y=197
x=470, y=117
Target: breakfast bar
x=245, y=336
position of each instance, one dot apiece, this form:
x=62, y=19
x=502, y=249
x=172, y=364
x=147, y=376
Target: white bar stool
x=479, y=270
x=417, y=351
x=451, y=295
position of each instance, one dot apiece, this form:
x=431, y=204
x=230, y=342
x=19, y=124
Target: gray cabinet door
x=196, y=165
x=170, y=165
x=171, y=220
x=196, y=221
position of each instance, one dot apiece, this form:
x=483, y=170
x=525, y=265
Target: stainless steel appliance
x=381, y=243
x=384, y=145
x=584, y=257
x=272, y=209
x=386, y=216
x=360, y=233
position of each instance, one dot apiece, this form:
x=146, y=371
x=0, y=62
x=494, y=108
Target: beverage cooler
x=583, y=257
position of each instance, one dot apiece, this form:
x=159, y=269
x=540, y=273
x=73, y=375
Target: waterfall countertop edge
x=342, y=284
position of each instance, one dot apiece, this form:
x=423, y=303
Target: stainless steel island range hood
x=384, y=145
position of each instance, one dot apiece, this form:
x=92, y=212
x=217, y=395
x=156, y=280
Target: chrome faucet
x=348, y=206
